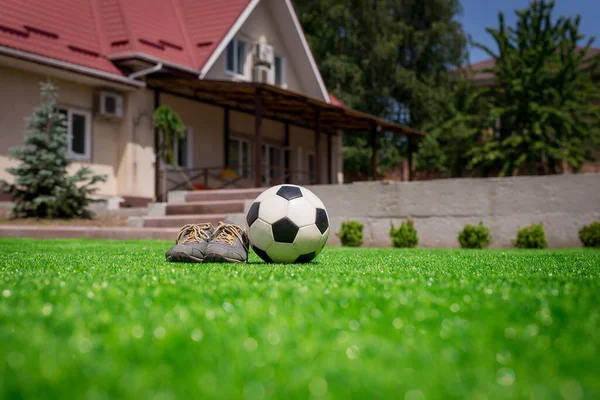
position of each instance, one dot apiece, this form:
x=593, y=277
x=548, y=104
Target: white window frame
x=189, y=133
x=236, y=61
x=87, y=155
x=283, y=63
x=240, y=168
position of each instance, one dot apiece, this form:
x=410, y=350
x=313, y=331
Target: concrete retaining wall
x=441, y=208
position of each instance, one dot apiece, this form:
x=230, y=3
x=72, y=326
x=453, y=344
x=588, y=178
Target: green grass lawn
x=104, y=320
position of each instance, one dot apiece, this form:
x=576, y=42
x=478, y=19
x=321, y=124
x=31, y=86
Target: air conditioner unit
x=263, y=55
x=264, y=74
x=109, y=104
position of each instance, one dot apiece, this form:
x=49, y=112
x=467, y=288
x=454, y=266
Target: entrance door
x=272, y=163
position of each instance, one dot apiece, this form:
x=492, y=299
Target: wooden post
x=258, y=134
x=329, y=158
x=157, y=161
x=410, y=158
x=226, y=136
x=374, y=152
x=317, y=137
x=286, y=153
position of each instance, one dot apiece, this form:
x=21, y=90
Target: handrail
x=277, y=175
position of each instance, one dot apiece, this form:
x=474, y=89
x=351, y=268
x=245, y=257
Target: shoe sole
x=216, y=258
x=182, y=257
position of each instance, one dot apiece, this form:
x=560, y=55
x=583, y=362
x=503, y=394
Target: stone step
x=177, y=221
x=90, y=232
x=223, y=194
x=205, y=207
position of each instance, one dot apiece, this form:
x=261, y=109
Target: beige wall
x=121, y=149
x=20, y=95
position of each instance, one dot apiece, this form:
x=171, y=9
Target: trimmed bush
x=590, y=235
x=351, y=233
x=474, y=237
x=405, y=235
x=532, y=237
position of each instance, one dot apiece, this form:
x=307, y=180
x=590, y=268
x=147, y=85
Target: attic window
x=236, y=56
x=280, y=78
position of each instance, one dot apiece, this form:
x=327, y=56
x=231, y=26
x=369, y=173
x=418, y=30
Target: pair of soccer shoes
x=206, y=243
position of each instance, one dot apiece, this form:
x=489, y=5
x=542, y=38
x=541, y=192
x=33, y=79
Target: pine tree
x=42, y=187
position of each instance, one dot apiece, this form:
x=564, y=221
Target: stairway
x=201, y=206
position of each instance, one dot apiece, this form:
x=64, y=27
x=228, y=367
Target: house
x=240, y=74
x=479, y=71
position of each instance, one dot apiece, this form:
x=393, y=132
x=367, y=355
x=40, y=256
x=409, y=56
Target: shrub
x=351, y=233
x=474, y=236
x=590, y=235
x=42, y=187
x=532, y=237
x=405, y=235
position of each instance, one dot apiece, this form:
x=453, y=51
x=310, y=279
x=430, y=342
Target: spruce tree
x=42, y=187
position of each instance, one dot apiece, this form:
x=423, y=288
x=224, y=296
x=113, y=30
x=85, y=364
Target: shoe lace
x=227, y=233
x=195, y=233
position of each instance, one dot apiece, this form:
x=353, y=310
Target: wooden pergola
x=268, y=101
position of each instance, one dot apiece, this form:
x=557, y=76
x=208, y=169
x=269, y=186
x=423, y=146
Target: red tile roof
x=90, y=32
x=336, y=102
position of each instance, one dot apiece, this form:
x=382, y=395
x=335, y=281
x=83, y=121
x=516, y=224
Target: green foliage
x=531, y=237
x=376, y=56
x=590, y=235
x=42, y=187
x=544, y=104
x=171, y=127
x=405, y=235
x=452, y=112
x=474, y=237
x=111, y=319
x=351, y=233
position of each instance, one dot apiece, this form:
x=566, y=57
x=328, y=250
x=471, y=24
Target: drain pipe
x=146, y=71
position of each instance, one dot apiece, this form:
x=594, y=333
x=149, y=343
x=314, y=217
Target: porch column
x=226, y=136
x=156, y=151
x=317, y=137
x=286, y=153
x=329, y=158
x=374, y=152
x=410, y=157
x=258, y=134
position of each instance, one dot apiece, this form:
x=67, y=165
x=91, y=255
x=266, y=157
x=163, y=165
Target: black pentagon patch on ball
x=289, y=192
x=262, y=254
x=322, y=222
x=284, y=230
x=305, y=258
x=252, y=213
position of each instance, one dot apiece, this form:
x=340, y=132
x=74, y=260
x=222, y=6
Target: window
x=272, y=163
x=239, y=156
x=79, y=128
x=280, y=78
x=236, y=57
x=312, y=168
x=182, y=150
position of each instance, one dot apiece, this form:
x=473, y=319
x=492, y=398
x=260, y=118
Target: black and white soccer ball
x=287, y=224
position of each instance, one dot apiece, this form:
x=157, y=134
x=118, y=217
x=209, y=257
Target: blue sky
x=479, y=14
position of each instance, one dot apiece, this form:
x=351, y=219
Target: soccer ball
x=286, y=224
